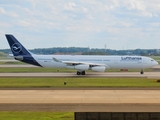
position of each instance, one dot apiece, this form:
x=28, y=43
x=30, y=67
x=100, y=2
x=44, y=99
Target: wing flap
x=82, y=63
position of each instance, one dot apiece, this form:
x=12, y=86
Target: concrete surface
x=81, y=100
x=90, y=74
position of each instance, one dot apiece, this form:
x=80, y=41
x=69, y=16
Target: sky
x=116, y=24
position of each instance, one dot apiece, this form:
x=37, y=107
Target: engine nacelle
x=70, y=67
x=81, y=67
x=98, y=68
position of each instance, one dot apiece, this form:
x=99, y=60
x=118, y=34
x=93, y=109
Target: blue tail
x=19, y=51
x=16, y=47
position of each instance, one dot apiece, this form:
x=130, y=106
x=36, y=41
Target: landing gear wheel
x=142, y=72
x=78, y=73
x=83, y=73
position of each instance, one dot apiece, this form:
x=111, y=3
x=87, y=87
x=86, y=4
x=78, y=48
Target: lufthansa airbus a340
x=79, y=62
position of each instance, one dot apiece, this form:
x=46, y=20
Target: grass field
x=3, y=56
x=76, y=82
x=36, y=116
x=155, y=57
x=12, y=63
x=38, y=69
x=33, y=70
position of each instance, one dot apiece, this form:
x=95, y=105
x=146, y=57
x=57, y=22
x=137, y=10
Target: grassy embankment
x=36, y=116
x=38, y=69
x=3, y=56
x=76, y=82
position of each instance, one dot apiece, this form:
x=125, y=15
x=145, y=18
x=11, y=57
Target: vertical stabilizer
x=16, y=47
x=20, y=52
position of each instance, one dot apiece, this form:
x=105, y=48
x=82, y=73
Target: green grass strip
x=38, y=69
x=76, y=82
x=36, y=116
x=33, y=70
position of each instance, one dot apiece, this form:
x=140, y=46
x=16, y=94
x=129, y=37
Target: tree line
x=87, y=51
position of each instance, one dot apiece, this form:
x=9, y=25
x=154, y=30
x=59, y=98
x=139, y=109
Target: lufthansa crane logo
x=16, y=48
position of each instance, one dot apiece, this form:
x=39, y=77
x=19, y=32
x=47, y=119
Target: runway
x=80, y=100
x=155, y=75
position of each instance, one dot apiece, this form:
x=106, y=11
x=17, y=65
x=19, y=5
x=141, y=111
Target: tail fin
x=16, y=47
x=19, y=51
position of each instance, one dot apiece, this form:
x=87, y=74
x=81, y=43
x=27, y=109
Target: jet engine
x=81, y=67
x=98, y=68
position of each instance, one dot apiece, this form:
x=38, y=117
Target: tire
x=78, y=73
x=141, y=72
x=83, y=73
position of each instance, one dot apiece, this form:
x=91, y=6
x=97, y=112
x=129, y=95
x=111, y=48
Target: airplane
x=79, y=62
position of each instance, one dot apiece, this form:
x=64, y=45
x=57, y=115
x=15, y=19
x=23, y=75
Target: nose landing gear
x=142, y=71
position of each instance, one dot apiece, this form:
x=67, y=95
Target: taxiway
x=81, y=100
x=155, y=75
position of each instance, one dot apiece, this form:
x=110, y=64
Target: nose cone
x=155, y=63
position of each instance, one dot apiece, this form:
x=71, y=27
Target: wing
x=84, y=65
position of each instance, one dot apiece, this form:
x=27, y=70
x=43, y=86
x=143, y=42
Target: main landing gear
x=142, y=71
x=81, y=72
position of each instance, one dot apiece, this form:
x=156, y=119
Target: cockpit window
x=152, y=60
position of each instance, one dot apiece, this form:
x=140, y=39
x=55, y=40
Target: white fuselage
x=120, y=62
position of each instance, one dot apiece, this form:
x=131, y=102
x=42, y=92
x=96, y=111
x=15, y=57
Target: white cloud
x=12, y=14
x=2, y=11
x=24, y=23
x=155, y=24
x=85, y=10
x=70, y=6
x=135, y=5
x=95, y=21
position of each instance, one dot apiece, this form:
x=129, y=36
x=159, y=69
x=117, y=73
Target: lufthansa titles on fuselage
x=131, y=58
